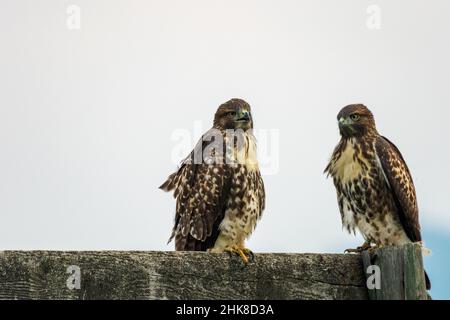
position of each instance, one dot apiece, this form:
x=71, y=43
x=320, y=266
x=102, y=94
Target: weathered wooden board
x=180, y=275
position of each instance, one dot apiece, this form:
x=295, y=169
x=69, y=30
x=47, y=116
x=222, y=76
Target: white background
x=86, y=116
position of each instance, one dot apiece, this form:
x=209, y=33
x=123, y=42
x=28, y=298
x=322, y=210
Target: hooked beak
x=346, y=126
x=242, y=116
x=343, y=122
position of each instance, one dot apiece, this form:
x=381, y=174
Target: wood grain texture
x=180, y=275
x=402, y=273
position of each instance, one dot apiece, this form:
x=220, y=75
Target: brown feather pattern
x=401, y=185
x=375, y=190
x=217, y=196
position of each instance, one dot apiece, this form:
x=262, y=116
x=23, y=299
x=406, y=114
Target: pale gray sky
x=87, y=116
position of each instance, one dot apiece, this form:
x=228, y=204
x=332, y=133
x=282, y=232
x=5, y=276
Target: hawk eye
x=354, y=117
x=231, y=113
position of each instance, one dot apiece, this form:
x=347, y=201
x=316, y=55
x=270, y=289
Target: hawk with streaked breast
x=375, y=190
x=218, y=188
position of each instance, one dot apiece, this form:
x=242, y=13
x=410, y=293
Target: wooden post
x=401, y=271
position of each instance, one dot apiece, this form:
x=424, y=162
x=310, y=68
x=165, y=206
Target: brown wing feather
x=402, y=186
x=201, y=191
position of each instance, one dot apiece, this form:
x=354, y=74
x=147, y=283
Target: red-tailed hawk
x=219, y=190
x=375, y=190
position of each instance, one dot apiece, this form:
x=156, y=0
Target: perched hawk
x=375, y=190
x=219, y=189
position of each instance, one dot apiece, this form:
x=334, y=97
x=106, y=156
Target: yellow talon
x=243, y=256
x=365, y=246
x=242, y=252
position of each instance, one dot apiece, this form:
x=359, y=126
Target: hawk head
x=234, y=114
x=356, y=120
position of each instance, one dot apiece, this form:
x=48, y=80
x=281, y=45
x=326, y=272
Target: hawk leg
x=365, y=246
x=375, y=247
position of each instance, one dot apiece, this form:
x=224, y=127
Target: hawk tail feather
x=170, y=182
x=171, y=237
x=427, y=281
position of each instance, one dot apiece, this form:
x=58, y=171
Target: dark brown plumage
x=375, y=190
x=219, y=189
